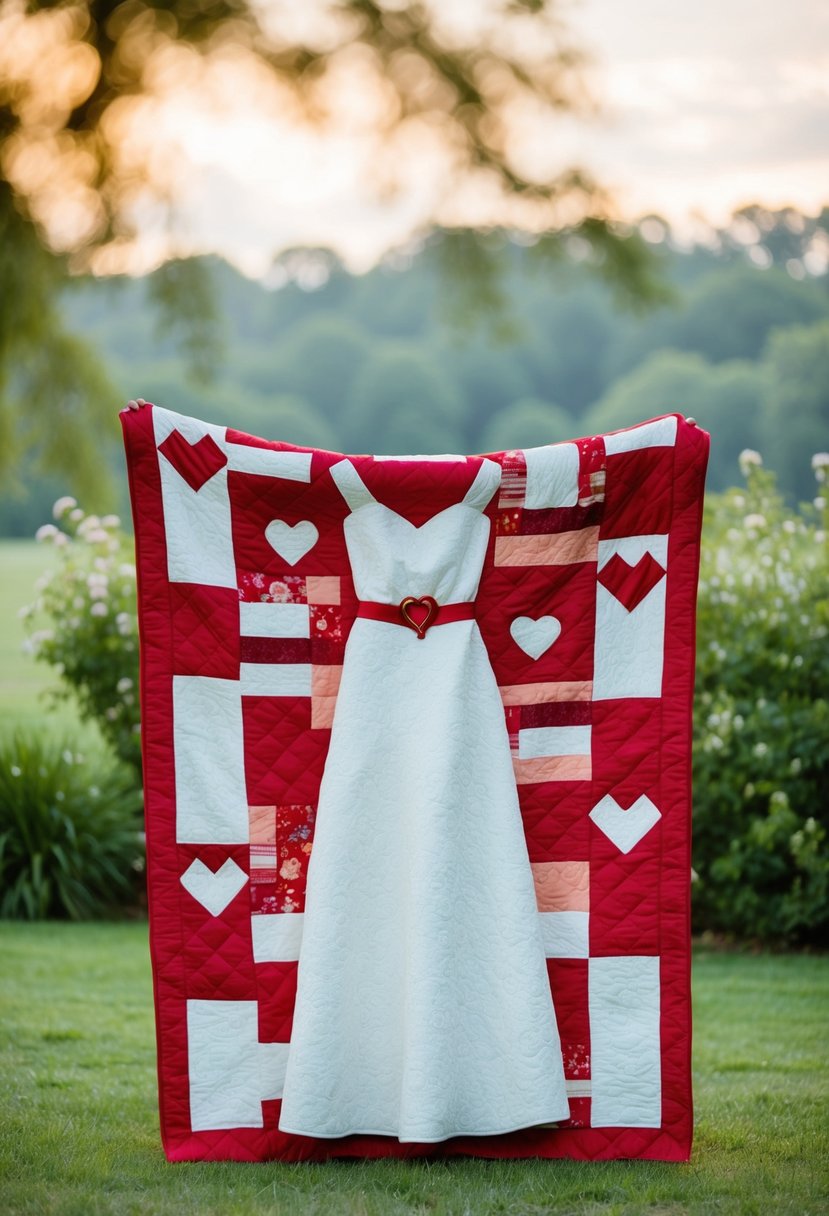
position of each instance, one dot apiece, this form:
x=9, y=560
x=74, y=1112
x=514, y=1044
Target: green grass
x=80, y=1127
x=22, y=677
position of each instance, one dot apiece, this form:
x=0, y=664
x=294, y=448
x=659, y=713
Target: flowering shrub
x=71, y=832
x=90, y=637
x=761, y=715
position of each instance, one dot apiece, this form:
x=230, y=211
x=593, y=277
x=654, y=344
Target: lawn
x=80, y=1133
x=22, y=677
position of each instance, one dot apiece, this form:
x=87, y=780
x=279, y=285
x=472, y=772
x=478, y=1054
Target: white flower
x=95, y=535
x=67, y=756
x=124, y=684
x=15, y=770
x=755, y=521
x=820, y=460
x=45, y=532
x=820, y=502
x=94, y=791
x=99, y=608
x=102, y=563
x=76, y=515
x=62, y=505
x=747, y=458
x=760, y=749
x=111, y=712
x=59, y=795
x=124, y=623
x=24, y=611
x=61, y=539
x=789, y=525
x=127, y=569
x=98, y=593
x=111, y=521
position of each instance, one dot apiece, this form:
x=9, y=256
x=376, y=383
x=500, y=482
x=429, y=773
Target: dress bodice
x=390, y=557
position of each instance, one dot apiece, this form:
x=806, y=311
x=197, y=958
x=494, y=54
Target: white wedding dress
x=423, y=1006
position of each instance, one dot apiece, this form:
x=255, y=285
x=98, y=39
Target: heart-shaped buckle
x=427, y=601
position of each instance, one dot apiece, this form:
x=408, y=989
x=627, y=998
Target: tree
x=725, y=398
x=402, y=400
x=488, y=376
x=527, y=423
x=728, y=313
x=290, y=419
x=77, y=77
x=796, y=417
x=324, y=352
x=668, y=380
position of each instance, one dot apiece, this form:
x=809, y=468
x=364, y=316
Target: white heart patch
x=214, y=891
x=291, y=542
x=535, y=636
x=625, y=828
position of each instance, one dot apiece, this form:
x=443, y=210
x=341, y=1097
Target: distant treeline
x=369, y=363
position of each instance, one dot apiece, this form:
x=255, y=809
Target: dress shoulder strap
x=350, y=484
x=483, y=485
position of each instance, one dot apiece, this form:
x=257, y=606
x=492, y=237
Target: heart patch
x=534, y=636
x=625, y=827
x=195, y=462
x=214, y=891
x=630, y=584
x=291, y=541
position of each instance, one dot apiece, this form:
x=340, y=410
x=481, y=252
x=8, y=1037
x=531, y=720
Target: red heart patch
x=630, y=584
x=195, y=462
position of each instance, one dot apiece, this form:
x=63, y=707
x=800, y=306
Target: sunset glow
x=690, y=122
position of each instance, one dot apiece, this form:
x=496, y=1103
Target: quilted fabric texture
x=586, y=606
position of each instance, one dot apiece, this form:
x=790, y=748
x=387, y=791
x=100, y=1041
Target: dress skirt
x=423, y=1005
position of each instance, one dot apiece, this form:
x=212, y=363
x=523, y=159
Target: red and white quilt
x=602, y=533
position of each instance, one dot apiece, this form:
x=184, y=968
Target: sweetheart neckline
x=374, y=502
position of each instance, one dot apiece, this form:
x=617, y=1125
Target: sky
x=703, y=109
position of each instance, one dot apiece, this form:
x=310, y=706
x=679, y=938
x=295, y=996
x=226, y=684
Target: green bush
x=89, y=604
x=71, y=832
x=761, y=715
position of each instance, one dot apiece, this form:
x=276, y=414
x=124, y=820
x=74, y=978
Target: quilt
x=587, y=608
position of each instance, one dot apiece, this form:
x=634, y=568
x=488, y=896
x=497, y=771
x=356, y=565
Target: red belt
x=400, y=614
